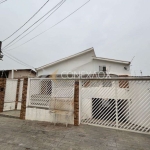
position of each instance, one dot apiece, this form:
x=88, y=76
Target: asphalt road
x=18, y=134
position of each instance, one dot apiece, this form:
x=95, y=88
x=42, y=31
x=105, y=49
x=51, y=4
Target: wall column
x=17, y=95
x=76, y=104
x=24, y=98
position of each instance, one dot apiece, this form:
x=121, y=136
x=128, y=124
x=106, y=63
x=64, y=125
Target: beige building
x=17, y=73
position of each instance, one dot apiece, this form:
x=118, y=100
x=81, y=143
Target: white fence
x=20, y=94
x=120, y=104
x=115, y=103
x=10, y=94
x=46, y=94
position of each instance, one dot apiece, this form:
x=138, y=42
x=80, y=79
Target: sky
x=117, y=29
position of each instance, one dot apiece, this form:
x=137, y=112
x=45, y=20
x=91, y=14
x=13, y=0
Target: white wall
x=10, y=94
x=19, y=106
x=68, y=65
x=20, y=95
x=114, y=68
x=44, y=115
x=9, y=106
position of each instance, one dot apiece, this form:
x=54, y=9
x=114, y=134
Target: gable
x=68, y=64
x=89, y=51
x=85, y=61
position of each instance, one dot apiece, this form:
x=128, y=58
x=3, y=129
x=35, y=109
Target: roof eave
x=113, y=60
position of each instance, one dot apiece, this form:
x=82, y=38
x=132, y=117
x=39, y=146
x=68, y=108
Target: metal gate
x=47, y=98
x=42, y=91
x=119, y=104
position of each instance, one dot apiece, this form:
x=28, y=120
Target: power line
x=35, y=27
x=17, y=60
x=3, y=1
x=33, y=24
x=26, y=21
x=52, y=26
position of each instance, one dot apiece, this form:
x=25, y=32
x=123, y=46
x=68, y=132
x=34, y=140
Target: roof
x=81, y=53
x=112, y=60
x=66, y=58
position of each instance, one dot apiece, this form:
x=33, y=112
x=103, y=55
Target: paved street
x=17, y=134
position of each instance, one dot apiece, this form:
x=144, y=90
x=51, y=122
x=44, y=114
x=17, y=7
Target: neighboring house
x=85, y=62
x=17, y=73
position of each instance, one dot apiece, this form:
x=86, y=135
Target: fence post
x=2, y=93
x=76, y=104
x=28, y=93
x=80, y=101
x=17, y=95
x=116, y=97
x=24, y=98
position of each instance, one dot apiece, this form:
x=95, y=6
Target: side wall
x=2, y=93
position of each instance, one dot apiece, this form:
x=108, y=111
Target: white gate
x=20, y=95
x=123, y=104
x=10, y=94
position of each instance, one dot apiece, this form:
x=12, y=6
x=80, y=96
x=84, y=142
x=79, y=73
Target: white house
x=121, y=103
x=85, y=62
x=44, y=91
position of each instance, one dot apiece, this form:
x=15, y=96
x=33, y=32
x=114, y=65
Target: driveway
x=17, y=134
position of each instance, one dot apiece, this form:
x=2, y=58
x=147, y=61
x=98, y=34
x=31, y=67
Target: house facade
x=45, y=92
x=85, y=62
x=120, y=102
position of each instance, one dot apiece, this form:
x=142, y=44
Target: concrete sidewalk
x=11, y=113
x=17, y=134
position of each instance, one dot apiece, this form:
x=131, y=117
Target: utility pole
x=1, y=55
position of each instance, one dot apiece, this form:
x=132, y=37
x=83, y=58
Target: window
x=102, y=68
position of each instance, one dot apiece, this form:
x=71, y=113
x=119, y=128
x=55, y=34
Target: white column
x=12, y=74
